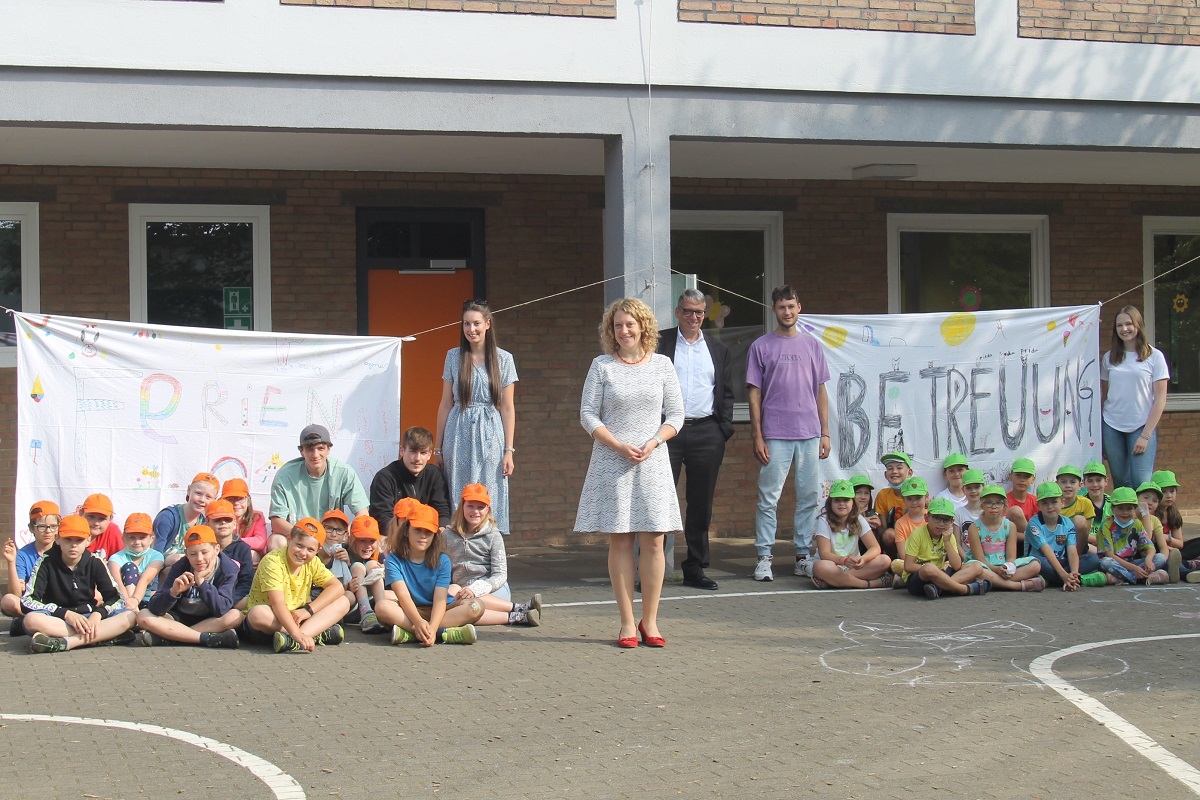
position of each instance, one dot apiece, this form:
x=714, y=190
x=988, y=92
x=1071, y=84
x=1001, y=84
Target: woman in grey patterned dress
x=629, y=490
x=477, y=418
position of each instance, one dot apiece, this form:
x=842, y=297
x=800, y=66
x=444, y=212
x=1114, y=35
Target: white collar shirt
x=697, y=376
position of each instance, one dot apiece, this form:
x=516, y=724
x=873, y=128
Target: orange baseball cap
x=425, y=517
x=74, y=527
x=476, y=492
x=338, y=514
x=98, y=504
x=43, y=508
x=206, y=477
x=364, y=528
x=219, y=509
x=235, y=487
x=139, y=523
x=311, y=527
x=199, y=534
x=404, y=507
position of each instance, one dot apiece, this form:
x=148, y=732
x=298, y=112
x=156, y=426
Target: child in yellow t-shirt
x=932, y=563
x=1149, y=497
x=1075, y=506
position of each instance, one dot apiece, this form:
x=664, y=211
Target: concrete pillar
x=637, y=218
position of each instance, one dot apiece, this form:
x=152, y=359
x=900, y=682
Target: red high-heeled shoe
x=651, y=641
x=627, y=642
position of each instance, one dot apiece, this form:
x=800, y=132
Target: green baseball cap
x=992, y=489
x=861, y=480
x=1150, y=486
x=896, y=457
x=954, y=460
x=914, y=487
x=1123, y=496
x=1047, y=490
x=1024, y=465
x=941, y=507
x=1067, y=469
x=1095, y=468
x=841, y=489
x=1165, y=478
x=973, y=476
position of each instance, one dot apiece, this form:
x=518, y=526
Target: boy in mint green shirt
x=312, y=486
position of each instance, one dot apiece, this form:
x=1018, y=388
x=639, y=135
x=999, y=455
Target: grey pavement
x=764, y=690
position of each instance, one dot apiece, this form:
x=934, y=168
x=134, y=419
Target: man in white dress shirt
x=706, y=380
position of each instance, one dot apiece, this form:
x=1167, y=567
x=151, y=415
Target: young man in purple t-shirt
x=789, y=416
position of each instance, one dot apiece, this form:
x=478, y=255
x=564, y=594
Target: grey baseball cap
x=315, y=433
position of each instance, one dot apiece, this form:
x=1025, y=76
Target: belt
x=696, y=420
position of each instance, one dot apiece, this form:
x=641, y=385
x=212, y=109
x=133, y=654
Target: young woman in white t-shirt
x=1136, y=377
x=842, y=563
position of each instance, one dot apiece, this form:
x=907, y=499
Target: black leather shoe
x=701, y=581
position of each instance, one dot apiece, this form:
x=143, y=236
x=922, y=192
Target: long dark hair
x=466, y=370
x=1169, y=516
x=397, y=541
x=1117, y=354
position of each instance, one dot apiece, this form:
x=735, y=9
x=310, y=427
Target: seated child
x=1172, y=522
x=968, y=514
x=932, y=564
x=953, y=468
x=194, y=604
x=1095, y=481
x=366, y=572
x=479, y=563
x=1022, y=504
x=992, y=544
x=866, y=504
x=889, y=503
x=418, y=573
x=174, y=521
x=104, y=535
x=916, y=499
x=61, y=611
x=135, y=569
x=222, y=518
x=279, y=610
x=411, y=476
x=841, y=531
x=251, y=524
x=1050, y=538
x=1075, y=506
x=1149, y=498
x=336, y=559
x=1126, y=553
x=44, y=518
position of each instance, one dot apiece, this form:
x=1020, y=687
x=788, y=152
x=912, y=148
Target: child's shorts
x=189, y=620
x=916, y=586
x=251, y=635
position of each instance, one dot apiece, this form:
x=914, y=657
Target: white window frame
x=31, y=265
x=1037, y=226
x=771, y=225
x=140, y=214
x=1152, y=226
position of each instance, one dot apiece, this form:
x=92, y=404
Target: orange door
x=404, y=303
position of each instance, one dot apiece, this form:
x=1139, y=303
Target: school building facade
x=362, y=166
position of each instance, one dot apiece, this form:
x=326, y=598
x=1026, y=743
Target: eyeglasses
x=691, y=312
x=45, y=528
x=996, y=502
x=941, y=520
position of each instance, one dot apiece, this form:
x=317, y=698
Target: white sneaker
x=803, y=568
x=762, y=570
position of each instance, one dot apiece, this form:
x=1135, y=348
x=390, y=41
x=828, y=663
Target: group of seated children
x=190, y=576
x=975, y=536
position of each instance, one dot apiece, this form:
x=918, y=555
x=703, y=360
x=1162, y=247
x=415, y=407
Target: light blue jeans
x=800, y=456
x=1114, y=567
x=1128, y=469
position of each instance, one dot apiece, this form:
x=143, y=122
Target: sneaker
x=803, y=567
x=1093, y=579
x=463, y=634
x=1157, y=578
x=1035, y=584
x=979, y=587
x=1112, y=580
x=762, y=570
x=128, y=637
x=1174, y=559
x=331, y=636
x=17, y=628
x=817, y=582
x=370, y=623
x=148, y=639
x=44, y=643
x=535, y=604
x=887, y=580
x=1192, y=577
x=530, y=617
x=226, y=640
x=931, y=591
x=282, y=643
x=401, y=636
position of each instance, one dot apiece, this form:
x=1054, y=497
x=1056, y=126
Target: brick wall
x=543, y=235
x=1147, y=22
x=916, y=16
x=558, y=8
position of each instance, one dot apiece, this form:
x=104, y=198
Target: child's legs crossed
x=327, y=617
x=466, y=612
x=10, y=604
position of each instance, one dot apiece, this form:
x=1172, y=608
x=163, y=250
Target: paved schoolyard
x=764, y=690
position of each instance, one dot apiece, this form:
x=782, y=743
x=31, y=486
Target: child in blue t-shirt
x=1050, y=538
x=418, y=572
x=135, y=569
x=1126, y=553
x=44, y=517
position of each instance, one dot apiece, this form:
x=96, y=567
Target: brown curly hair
x=640, y=312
